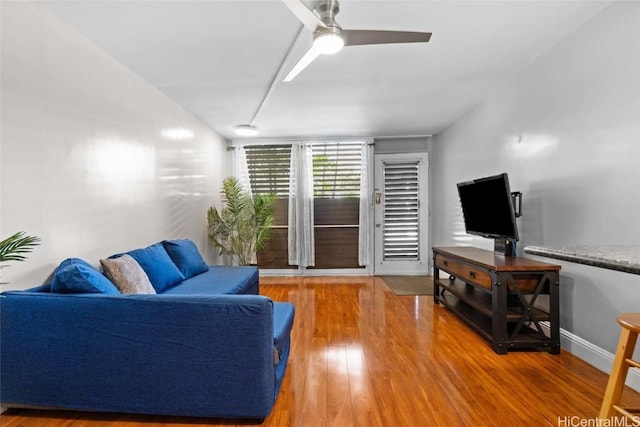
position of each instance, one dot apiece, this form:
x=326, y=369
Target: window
x=336, y=188
x=336, y=179
x=268, y=167
x=336, y=170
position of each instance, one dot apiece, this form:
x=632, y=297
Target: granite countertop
x=621, y=258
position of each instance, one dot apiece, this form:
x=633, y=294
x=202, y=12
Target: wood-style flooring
x=362, y=356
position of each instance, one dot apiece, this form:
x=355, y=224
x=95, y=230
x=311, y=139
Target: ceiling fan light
x=328, y=43
x=246, y=130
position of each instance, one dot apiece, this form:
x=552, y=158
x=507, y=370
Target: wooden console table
x=497, y=295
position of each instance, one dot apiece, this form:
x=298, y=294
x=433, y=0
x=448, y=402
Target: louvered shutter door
x=401, y=212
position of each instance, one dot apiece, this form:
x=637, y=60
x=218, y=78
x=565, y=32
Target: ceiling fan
x=329, y=37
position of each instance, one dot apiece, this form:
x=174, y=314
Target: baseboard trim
x=593, y=355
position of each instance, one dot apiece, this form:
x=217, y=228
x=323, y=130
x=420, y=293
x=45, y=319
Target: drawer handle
x=472, y=274
x=446, y=263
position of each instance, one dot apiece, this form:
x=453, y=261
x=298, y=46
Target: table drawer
x=447, y=264
x=464, y=271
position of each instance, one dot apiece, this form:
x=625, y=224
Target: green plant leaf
x=15, y=247
x=243, y=225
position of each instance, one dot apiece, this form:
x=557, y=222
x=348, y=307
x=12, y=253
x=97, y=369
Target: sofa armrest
x=209, y=356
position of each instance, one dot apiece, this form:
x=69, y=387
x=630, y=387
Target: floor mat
x=409, y=285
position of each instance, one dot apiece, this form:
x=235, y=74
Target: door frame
x=420, y=266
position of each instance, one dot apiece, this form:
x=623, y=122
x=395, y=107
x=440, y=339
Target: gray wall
x=418, y=144
x=567, y=130
x=88, y=158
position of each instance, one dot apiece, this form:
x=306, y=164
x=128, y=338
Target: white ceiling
x=218, y=58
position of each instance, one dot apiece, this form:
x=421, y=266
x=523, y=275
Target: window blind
x=269, y=169
x=336, y=169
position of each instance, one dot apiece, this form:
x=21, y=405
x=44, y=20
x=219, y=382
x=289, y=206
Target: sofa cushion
x=220, y=279
x=155, y=261
x=127, y=275
x=185, y=256
x=74, y=275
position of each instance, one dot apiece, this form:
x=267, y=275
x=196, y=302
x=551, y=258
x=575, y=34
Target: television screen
x=487, y=207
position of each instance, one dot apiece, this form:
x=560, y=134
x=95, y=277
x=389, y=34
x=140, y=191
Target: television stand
x=496, y=295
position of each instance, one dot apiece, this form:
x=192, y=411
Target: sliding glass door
x=337, y=170
x=336, y=191
x=269, y=173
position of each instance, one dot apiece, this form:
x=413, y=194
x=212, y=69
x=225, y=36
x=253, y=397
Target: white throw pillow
x=127, y=275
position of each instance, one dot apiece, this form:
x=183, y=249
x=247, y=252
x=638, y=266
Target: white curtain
x=301, y=240
x=241, y=168
x=364, y=226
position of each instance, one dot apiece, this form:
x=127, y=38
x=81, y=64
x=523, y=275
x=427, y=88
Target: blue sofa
x=207, y=346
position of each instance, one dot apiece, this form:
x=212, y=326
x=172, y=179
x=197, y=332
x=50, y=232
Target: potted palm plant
x=243, y=225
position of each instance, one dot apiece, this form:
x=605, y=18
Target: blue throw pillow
x=74, y=275
x=155, y=261
x=186, y=257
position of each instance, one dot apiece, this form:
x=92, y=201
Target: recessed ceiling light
x=246, y=130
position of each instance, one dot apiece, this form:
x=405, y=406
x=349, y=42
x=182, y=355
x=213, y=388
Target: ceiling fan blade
x=362, y=37
x=302, y=64
x=309, y=19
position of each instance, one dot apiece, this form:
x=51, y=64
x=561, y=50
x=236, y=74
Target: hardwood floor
x=362, y=356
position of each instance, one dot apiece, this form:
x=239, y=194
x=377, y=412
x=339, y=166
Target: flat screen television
x=488, y=210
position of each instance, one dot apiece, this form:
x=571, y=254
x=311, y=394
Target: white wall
x=567, y=130
x=85, y=159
